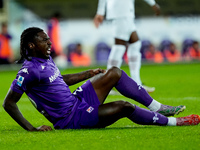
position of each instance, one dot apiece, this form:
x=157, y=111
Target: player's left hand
x=44, y=128
x=98, y=19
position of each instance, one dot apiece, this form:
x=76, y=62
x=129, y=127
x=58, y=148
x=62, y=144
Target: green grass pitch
x=175, y=84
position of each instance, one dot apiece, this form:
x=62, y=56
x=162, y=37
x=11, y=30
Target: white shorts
x=123, y=27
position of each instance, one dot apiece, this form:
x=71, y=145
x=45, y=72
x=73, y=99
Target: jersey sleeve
x=25, y=80
x=150, y=2
x=101, y=10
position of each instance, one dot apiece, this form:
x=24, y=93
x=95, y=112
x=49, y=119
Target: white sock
x=171, y=121
x=134, y=61
x=115, y=56
x=154, y=106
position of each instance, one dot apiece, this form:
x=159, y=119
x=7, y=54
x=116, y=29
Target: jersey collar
x=40, y=59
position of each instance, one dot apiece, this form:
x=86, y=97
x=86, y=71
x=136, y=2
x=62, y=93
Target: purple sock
x=129, y=88
x=145, y=117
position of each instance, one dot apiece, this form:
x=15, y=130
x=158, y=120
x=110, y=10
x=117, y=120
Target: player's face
x=42, y=45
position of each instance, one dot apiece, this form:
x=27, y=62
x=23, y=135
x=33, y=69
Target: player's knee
x=134, y=50
x=120, y=42
x=114, y=72
x=126, y=107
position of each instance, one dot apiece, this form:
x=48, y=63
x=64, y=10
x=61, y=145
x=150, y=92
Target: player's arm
x=10, y=106
x=99, y=17
x=154, y=5
x=71, y=79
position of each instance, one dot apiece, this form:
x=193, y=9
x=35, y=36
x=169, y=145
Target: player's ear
x=31, y=45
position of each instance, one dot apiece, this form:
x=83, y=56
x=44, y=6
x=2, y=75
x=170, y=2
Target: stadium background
x=175, y=84
x=179, y=20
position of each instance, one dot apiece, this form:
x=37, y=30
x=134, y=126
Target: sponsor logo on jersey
x=90, y=109
x=20, y=80
x=53, y=77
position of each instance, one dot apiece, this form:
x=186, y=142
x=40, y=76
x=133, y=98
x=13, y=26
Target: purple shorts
x=86, y=114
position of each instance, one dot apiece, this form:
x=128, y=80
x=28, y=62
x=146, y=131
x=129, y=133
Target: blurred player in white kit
x=122, y=14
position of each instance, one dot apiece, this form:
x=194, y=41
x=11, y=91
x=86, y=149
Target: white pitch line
x=182, y=98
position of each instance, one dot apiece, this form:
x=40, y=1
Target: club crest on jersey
x=20, y=80
x=90, y=109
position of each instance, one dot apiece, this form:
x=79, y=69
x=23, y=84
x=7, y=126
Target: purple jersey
x=41, y=80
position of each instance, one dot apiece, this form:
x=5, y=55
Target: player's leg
x=111, y=112
x=121, y=34
x=114, y=77
x=146, y=117
x=134, y=57
x=104, y=82
x=116, y=55
x=129, y=88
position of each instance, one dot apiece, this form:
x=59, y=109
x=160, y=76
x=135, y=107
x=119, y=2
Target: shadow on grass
x=139, y=127
x=110, y=128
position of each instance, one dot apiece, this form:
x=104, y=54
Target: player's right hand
x=156, y=9
x=98, y=19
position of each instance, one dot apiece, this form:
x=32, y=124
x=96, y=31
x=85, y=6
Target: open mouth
x=49, y=51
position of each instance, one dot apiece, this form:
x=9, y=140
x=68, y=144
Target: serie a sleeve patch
x=20, y=80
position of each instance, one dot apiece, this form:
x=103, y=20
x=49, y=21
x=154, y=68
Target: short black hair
x=28, y=35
